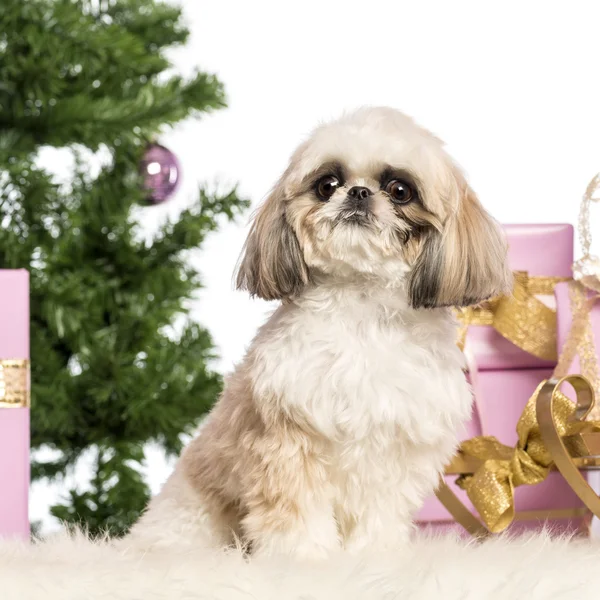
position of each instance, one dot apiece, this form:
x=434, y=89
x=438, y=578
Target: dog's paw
x=394, y=539
x=301, y=551
x=296, y=546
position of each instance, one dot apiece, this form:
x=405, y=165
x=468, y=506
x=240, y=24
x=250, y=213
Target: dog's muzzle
x=357, y=206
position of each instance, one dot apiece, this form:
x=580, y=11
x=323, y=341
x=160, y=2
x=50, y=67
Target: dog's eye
x=399, y=191
x=326, y=187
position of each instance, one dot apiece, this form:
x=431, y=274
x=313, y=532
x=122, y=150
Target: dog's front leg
x=382, y=524
x=289, y=507
x=303, y=529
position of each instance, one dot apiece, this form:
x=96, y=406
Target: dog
x=344, y=411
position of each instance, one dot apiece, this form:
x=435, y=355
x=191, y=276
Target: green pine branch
x=116, y=360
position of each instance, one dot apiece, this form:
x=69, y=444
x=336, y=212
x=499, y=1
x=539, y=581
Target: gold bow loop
x=520, y=317
x=14, y=383
x=491, y=486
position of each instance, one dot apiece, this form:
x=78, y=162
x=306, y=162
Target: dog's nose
x=359, y=192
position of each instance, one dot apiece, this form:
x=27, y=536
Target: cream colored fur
x=339, y=420
x=530, y=568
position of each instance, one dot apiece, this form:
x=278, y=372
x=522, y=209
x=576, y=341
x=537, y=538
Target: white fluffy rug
x=532, y=567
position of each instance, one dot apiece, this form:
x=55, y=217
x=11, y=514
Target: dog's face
x=374, y=194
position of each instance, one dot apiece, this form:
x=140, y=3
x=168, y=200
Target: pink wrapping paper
x=545, y=250
x=506, y=393
x=508, y=376
x=14, y=422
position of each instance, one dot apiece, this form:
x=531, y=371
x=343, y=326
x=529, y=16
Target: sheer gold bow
x=580, y=340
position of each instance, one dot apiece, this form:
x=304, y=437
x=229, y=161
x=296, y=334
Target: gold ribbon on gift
x=490, y=470
x=521, y=318
x=502, y=468
x=14, y=383
x=491, y=487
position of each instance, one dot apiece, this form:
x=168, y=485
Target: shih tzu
x=337, y=423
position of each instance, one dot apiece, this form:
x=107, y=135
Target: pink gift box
x=14, y=421
x=508, y=376
x=545, y=250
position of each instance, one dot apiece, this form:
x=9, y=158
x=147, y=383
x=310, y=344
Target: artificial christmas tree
x=108, y=372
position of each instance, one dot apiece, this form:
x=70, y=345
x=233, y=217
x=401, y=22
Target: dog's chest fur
x=381, y=382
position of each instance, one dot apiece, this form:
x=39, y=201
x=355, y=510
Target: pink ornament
x=161, y=173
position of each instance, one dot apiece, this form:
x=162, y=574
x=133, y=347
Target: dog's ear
x=465, y=262
x=272, y=266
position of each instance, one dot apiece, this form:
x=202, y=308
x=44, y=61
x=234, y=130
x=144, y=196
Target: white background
x=511, y=86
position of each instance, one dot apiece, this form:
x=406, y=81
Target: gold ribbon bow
x=14, y=383
x=491, y=487
x=521, y=318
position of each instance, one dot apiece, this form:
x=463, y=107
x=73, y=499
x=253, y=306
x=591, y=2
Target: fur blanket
x=531, y=567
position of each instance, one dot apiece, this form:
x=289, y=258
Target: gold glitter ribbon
x=521, y=318
x=14, y=383
x=491, y=487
